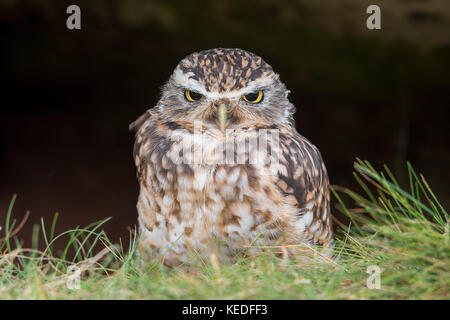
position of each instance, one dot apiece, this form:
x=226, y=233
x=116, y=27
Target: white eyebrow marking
x=185, y=80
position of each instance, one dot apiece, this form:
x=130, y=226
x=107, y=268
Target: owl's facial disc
x=225, y=88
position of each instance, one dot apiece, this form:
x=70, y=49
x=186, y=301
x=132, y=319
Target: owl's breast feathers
x=283, y=200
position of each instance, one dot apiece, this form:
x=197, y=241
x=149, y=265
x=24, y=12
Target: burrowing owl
x=221, y=167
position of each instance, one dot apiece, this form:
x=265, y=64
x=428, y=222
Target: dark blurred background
x=68, y=95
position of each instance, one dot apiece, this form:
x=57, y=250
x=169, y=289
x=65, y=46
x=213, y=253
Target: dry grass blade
x=18, y=228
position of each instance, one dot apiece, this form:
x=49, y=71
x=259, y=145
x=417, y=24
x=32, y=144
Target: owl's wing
x=136, y=125
x=302, y=176
x=144, y=130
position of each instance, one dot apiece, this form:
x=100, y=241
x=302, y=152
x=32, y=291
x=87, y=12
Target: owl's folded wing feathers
x=303, y=180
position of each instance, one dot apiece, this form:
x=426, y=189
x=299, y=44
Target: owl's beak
x=222, y=116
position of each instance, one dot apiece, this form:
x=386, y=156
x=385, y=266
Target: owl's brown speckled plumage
x=226, y=201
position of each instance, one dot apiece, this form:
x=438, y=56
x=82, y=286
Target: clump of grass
x=402, y=231
x=87, y=251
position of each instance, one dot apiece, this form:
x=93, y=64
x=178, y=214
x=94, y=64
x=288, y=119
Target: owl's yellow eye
x=254, y=97
x=192, y=96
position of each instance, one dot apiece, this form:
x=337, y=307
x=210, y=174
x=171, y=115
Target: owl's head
x=225, y=89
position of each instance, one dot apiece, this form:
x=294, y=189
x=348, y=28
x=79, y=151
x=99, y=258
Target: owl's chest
x=203, y=161
x=212, y=185
x=206, y=176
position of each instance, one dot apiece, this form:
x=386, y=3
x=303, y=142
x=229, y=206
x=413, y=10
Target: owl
x=221, y=167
